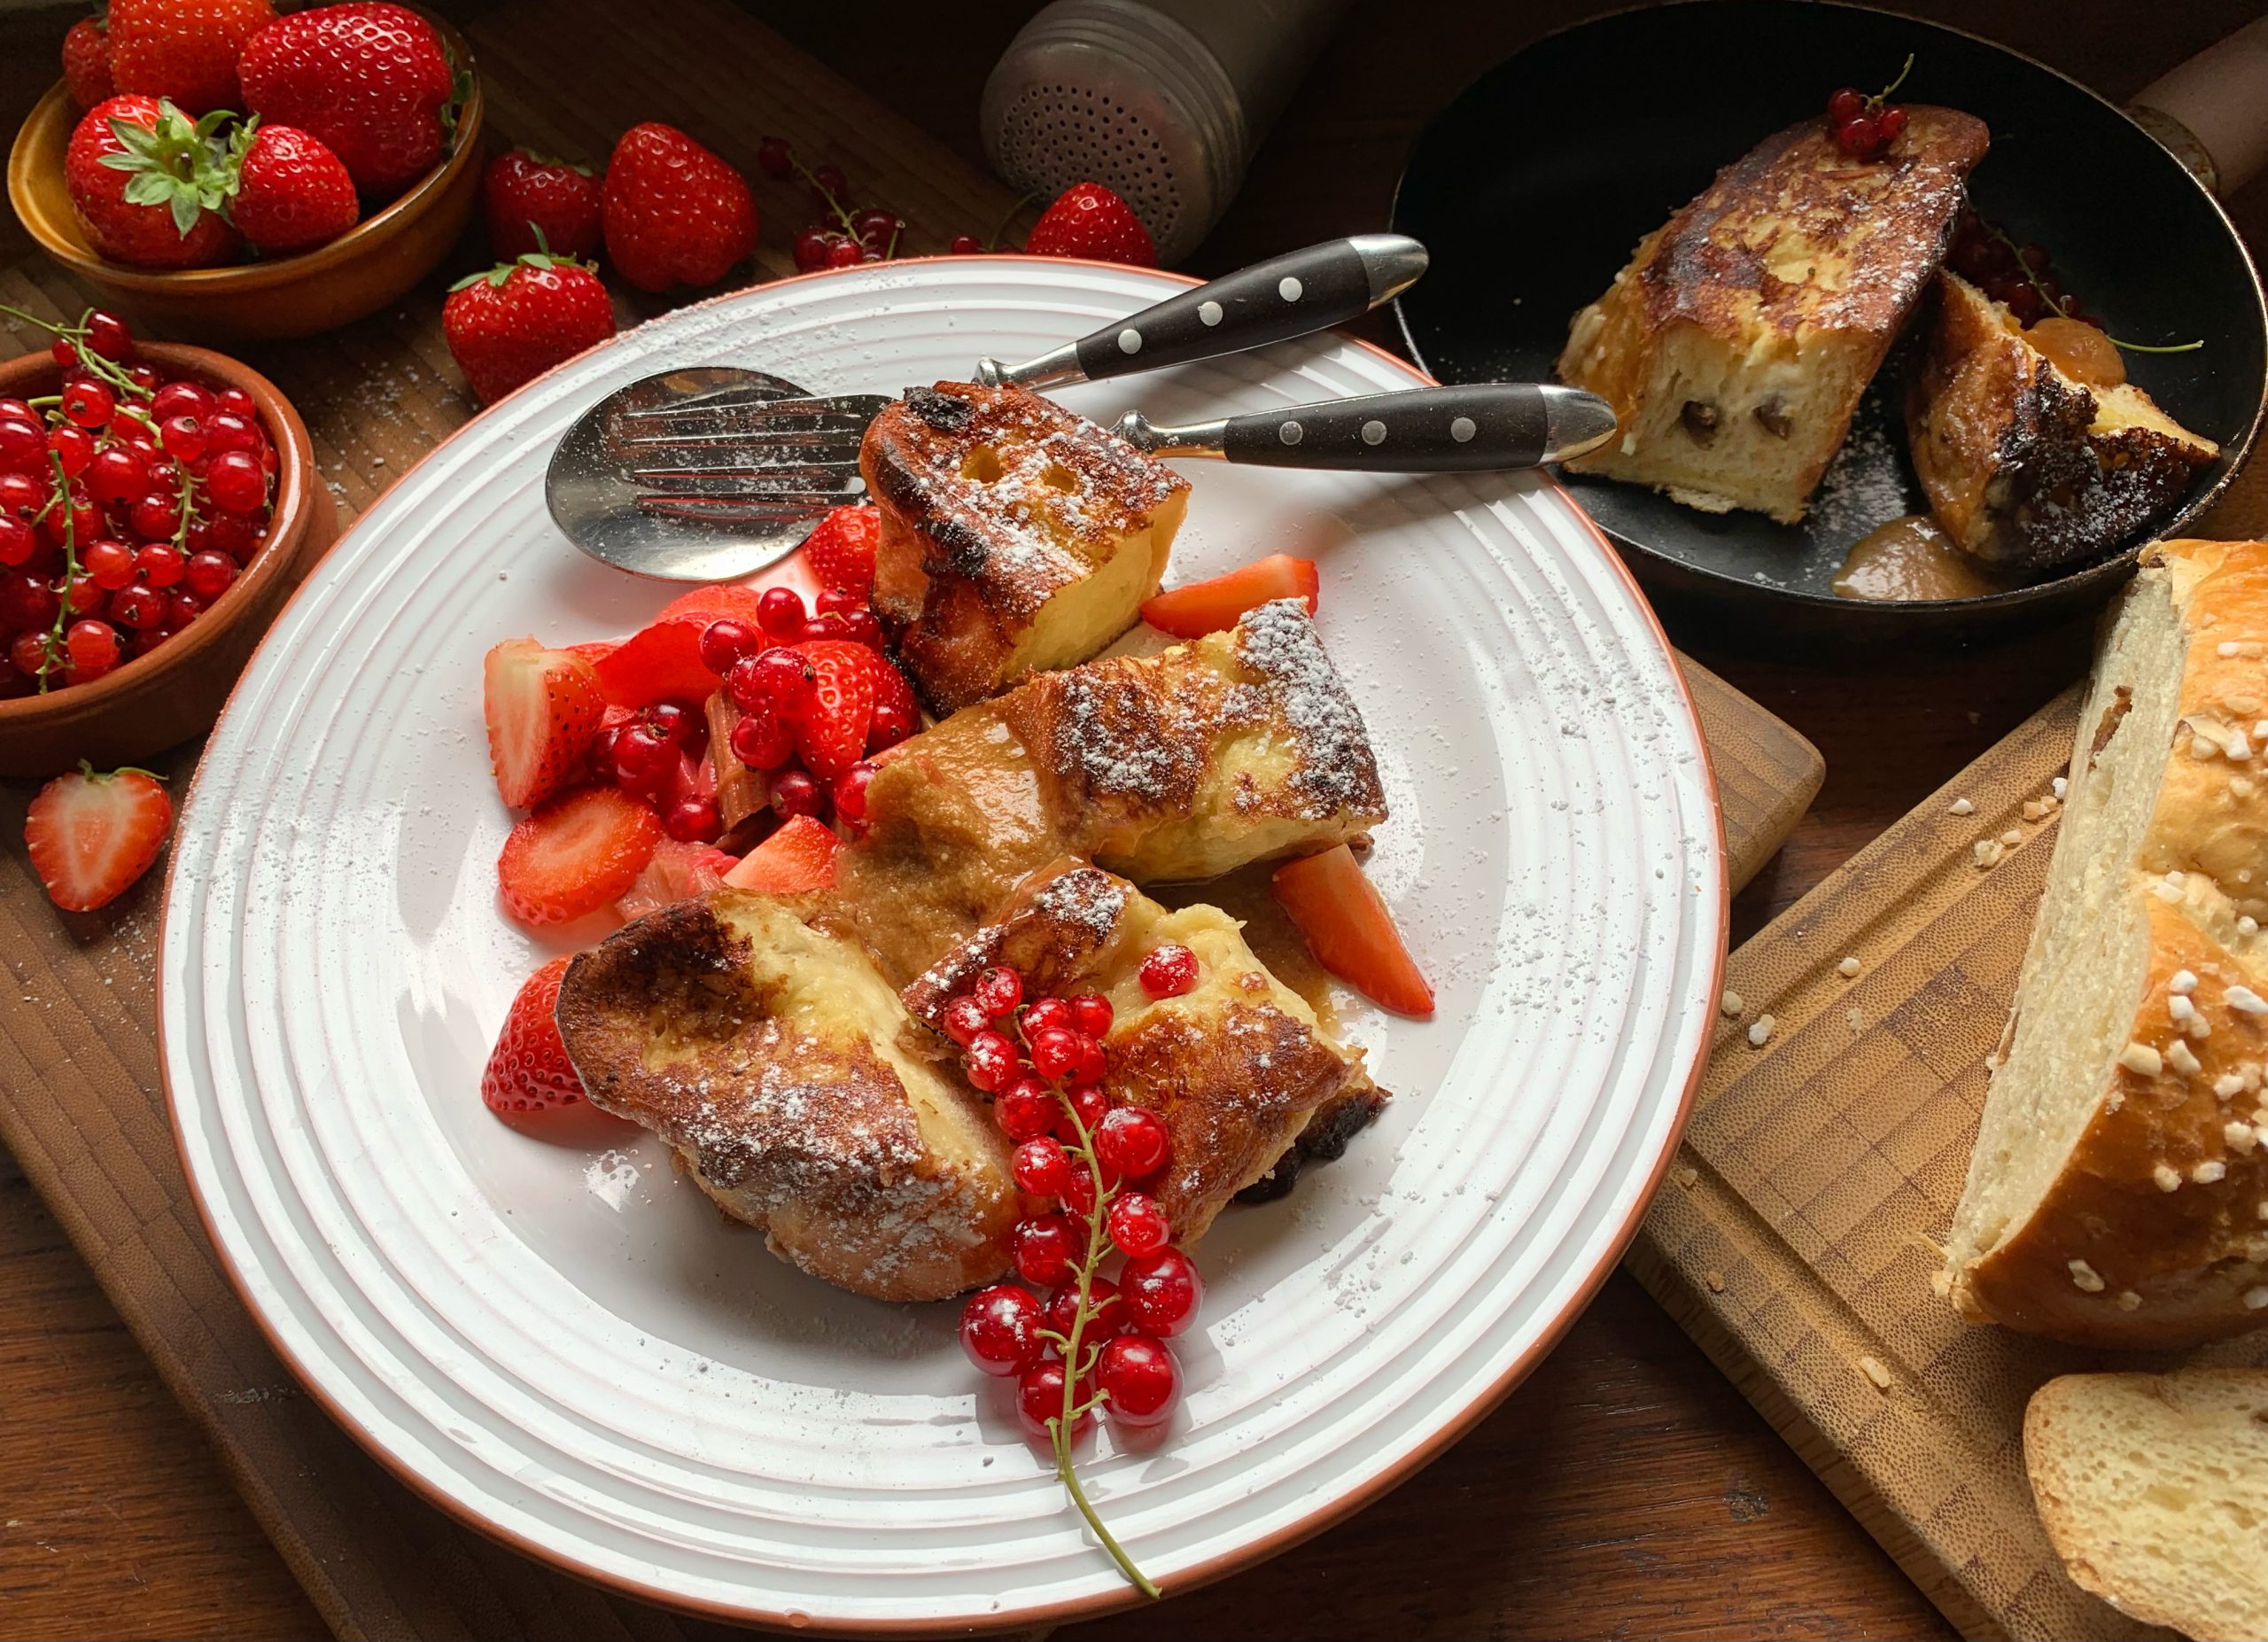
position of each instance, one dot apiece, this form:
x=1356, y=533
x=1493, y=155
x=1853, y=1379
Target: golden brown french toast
x=1016, y=535
x=2025, y=466
x=1737, y=343
x=1236, y=1067
x=767, y=1049
x=1237, y=747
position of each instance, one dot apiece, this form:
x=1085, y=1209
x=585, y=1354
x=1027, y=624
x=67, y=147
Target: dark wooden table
x=1626, y=1489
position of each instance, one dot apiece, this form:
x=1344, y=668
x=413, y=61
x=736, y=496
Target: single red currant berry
x=180, y=399
x=81, y=597
x=1889, y=123
x=1858, y=138
x=1093, y=1065
x=110, y=563
x=155, y=517
x=668, y=720
x=780, y=613
x=1168, y=972
x=15, y=410
x=829, y=186
x=138, y=607
x=93, y=647
x=237, y=481
x=117, y=473
x=1086, y=1102
x=160, y=565
x=1026, y=1109
x=1079, y=1191
x=1039, y=1402
x=794, y=793
x=775, y=158
x=1140, y=1376
x=1043, y=1248
x=23, y=495
x=18, y=541
x=1138, y=1226
x=183, y=437
x=991, y=1061
x=28, y=653
x=1041, y=1167
x=1105, y=1311
x=109, y=335
x=813, y=246
x=850, y=791
x=1054, y=1052
x=23, y=448
x=892, y=723
x=237, y=402
x=1131, y=1142
x=827, y=627
x=1000, y=1329
x=724, y=642
x=835, y=601
x=1091, y=1012
x=64, y=352
x=74, y=447
x=862, y=626
x=1046, y=1014
x=88, y=404
x=210, y=574
x=27, y=601
x=693, y=820
x=964, y=1018
x=77, y=520
x=232, y=534
x=966, y=245
x=145, y=376
x=999, y=989
x=1162, y=1291
x=1846, y=105
x=875, y=225
x=842, y=254
x=183, y=608
x=638, y=752
x=228, y=431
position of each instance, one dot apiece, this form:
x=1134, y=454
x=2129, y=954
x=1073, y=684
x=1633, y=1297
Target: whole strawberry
x=292, y=193
x=184, y=51
x=147, y=184
x=532, y=201
x=86, y=63
x=1087, y=219
x=520, y=318
x=675, y=212
x=369, y=78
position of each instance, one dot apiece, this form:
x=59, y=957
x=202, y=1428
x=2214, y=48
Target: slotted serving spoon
x=711, y=472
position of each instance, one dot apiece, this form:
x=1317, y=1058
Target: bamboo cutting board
x=1796, y=1238
x=78, y=1101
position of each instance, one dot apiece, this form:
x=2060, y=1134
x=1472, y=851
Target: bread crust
x=799, y=1122
x=2152, y=1233
x=993, y=503
x=2024, y=467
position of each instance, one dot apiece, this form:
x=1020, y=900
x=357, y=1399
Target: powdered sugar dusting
x=1337, y=771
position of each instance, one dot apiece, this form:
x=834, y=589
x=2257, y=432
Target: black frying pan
x=1531, y=188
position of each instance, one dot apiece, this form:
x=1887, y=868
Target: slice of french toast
x=2024, y=466
x=1016, y=535
x=1737, y=343
x=763, y=1046
x=1240, y=746
x=1237, y=1067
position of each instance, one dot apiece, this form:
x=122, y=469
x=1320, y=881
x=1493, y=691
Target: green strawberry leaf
x=186, y=210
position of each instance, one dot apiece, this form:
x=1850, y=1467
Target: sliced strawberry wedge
x=575, y=853
x=1204, y=607
x=528, y=1070
x=1350, y=930
x=831, y=729
x=90, y=836
x=727, y=601
x=799, y=858
x=543, y=709
x=658, y=663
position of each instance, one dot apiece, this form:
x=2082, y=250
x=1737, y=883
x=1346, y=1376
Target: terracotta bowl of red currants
x=193, y=509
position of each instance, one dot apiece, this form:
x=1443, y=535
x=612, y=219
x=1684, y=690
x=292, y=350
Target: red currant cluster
x=1092, y=1342
x=844, y=235
x=659, y=756
x=1864, y=127
x=127, y=504
x=2020, y=275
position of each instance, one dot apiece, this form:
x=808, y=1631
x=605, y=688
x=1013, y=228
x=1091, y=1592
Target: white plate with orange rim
x=546, y=1332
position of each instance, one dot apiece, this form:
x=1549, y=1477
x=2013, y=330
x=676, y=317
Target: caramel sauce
x=1910, y=558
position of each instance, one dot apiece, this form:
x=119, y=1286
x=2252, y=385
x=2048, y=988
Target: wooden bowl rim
x=295, y=484
x=56, y=109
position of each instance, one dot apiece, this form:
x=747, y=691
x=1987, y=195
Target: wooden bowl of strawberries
x=352, y=171
x=157, y=504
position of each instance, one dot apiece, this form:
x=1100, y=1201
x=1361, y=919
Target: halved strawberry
x=831, y=729
x=840, y=551
x=1351, y=931
x=594, y=650
x=799, y=858
x=90, y=836
x=528, y=1070
x=1209, y=606
x=575, y=853
x=676, y=871
x=659, y=662
x=543, y=708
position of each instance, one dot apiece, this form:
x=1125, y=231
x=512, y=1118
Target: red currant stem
x=890, y=250
x=841, y=215
x=1022, y=200
x=2056, y=307
x=44, y=400
x=93, y=363
x=1883, y=96
x=1074, y=1366
x=51, y=662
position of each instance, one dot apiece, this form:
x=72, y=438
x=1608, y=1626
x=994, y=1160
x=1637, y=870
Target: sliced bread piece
x=2154, y=1490
x=1735, y=345
x=2117, y=1194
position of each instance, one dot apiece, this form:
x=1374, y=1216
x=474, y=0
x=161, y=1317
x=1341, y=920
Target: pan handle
x=2216, y=105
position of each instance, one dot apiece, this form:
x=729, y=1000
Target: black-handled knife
x=1473, y=427
x=1288, y=296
